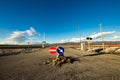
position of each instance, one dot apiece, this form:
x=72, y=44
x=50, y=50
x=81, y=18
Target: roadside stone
x=44, y=63
x=117, y=51
x=110, y=50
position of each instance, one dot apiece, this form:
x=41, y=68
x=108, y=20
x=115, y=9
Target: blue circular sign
x=60, y=50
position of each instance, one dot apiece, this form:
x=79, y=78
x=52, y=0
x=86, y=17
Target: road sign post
x=89, y=39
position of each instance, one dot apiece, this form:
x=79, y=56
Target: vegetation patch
x=60, y=60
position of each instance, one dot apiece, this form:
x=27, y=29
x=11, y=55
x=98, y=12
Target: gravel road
x=88, y=66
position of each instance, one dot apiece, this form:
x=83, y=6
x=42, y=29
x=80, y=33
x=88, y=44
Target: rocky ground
x=85, y=66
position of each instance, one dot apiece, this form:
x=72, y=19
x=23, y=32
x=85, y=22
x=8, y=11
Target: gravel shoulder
x=88, y=66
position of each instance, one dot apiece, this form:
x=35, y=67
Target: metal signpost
x=103, y=45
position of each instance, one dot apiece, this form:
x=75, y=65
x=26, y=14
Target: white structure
x=43, y=42
x=82, y=46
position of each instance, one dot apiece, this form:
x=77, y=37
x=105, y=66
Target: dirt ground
x=88, y=66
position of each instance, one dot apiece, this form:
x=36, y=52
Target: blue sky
x=59, y=19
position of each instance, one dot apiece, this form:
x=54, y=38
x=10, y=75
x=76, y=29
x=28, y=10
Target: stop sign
x=52, y=50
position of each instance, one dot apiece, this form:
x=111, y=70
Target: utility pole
x=102, y=36
x=89, y=41
x=44, y=36
x=79, y=35
x=44, y=41
x=84, y=42
x=28, y=46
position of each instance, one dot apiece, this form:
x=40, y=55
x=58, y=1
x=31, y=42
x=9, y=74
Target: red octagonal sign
x=52, y=50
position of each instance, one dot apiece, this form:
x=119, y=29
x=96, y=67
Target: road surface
x=89, y=66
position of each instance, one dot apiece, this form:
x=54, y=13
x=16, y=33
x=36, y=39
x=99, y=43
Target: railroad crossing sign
x=60, y=50
x=52, y=50
x=89, y=38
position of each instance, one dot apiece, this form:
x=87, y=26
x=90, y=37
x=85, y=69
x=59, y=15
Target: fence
x=15, y=51
x=92, y=45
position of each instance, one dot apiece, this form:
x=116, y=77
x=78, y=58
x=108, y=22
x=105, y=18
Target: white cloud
x=94, y=33
x=98, y=35
x=17, y=37
x=116, y=36
x=72, y=40
x=63, y=41
x=31, y=31
x=94, y=36
x=3, y=42
x=76, y=39
x=20, y=37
